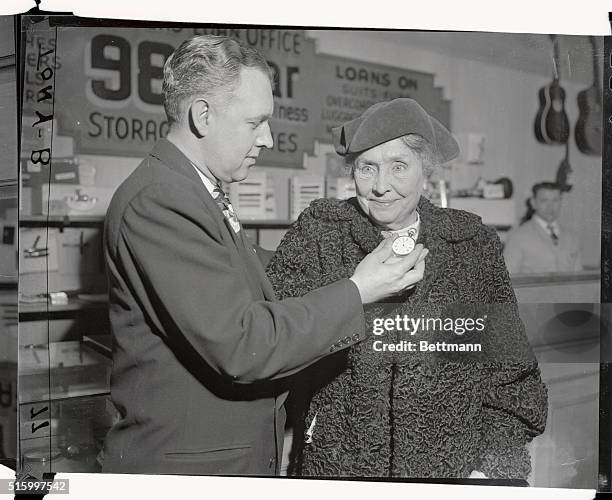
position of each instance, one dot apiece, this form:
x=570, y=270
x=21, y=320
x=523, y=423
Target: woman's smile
x=383, y=203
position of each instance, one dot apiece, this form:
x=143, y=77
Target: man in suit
x=541, y=244
x=201, y=344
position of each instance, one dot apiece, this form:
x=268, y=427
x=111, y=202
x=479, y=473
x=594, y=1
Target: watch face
x=403, y=245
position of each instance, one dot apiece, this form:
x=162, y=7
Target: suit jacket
x=530, y=249
x=200, y=343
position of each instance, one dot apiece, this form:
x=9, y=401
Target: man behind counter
x=199, y=339
x=540, y=244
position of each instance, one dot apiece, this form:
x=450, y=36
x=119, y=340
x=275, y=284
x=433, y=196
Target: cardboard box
x=248, y=197
x=303, y=190
x=341, y=188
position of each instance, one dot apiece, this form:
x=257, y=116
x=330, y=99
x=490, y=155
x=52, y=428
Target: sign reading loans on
x=109, y=84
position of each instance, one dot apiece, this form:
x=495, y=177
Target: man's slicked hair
x=552, y=186
x=207, y=65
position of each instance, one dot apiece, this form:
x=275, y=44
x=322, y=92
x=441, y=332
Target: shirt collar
x=210, y=186
x=411, y=230
x=544, y=224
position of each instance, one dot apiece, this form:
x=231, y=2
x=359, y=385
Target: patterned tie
x=226, y=208
x=553, y=234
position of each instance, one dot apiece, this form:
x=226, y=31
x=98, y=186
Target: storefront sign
x=109, y=80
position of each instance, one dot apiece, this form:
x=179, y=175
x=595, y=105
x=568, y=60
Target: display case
x=64, y=408
x=61, y=370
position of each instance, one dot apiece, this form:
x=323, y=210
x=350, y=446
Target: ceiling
x=531, y=53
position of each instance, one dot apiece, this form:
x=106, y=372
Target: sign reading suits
x=109, y=88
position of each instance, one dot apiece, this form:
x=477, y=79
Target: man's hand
x=381, y=273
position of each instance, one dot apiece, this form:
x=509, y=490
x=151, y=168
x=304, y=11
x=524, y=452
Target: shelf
x=43, y=310
x=556, y=278
x=95, y=220
x=60, y=221
x=71, y=394
x=73, y=305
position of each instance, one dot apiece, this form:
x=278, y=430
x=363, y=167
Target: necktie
x=553, y=234
x=226, y=208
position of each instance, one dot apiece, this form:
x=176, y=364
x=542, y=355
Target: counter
x=569, y=287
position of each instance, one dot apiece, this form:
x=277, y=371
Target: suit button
x=356, y=337
x=332, y=348
x=347, y=340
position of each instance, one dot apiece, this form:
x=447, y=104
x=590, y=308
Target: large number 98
x=122, y=65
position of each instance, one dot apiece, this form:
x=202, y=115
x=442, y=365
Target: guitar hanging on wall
x=588, y=131
x=565, y=174
x=551, y=123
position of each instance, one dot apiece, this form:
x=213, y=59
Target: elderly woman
x=380, y=409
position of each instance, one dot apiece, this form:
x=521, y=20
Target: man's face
x=547, y=204
x=239, y=129
x=389, y=181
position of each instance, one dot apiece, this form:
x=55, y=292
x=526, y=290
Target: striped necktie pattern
x=553, y=234
x=226, y=208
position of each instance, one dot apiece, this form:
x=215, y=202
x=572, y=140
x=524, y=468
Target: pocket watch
x=403, y=244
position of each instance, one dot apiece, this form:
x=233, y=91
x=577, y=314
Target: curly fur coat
x=399, y=414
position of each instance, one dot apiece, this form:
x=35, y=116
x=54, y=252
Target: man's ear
x=199, y=117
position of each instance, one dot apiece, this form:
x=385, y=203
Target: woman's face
x=389, y=181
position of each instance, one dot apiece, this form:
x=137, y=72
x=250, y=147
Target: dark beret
x=385, y=121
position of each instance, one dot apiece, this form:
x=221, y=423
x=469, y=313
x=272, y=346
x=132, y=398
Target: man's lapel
x=174, y=159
